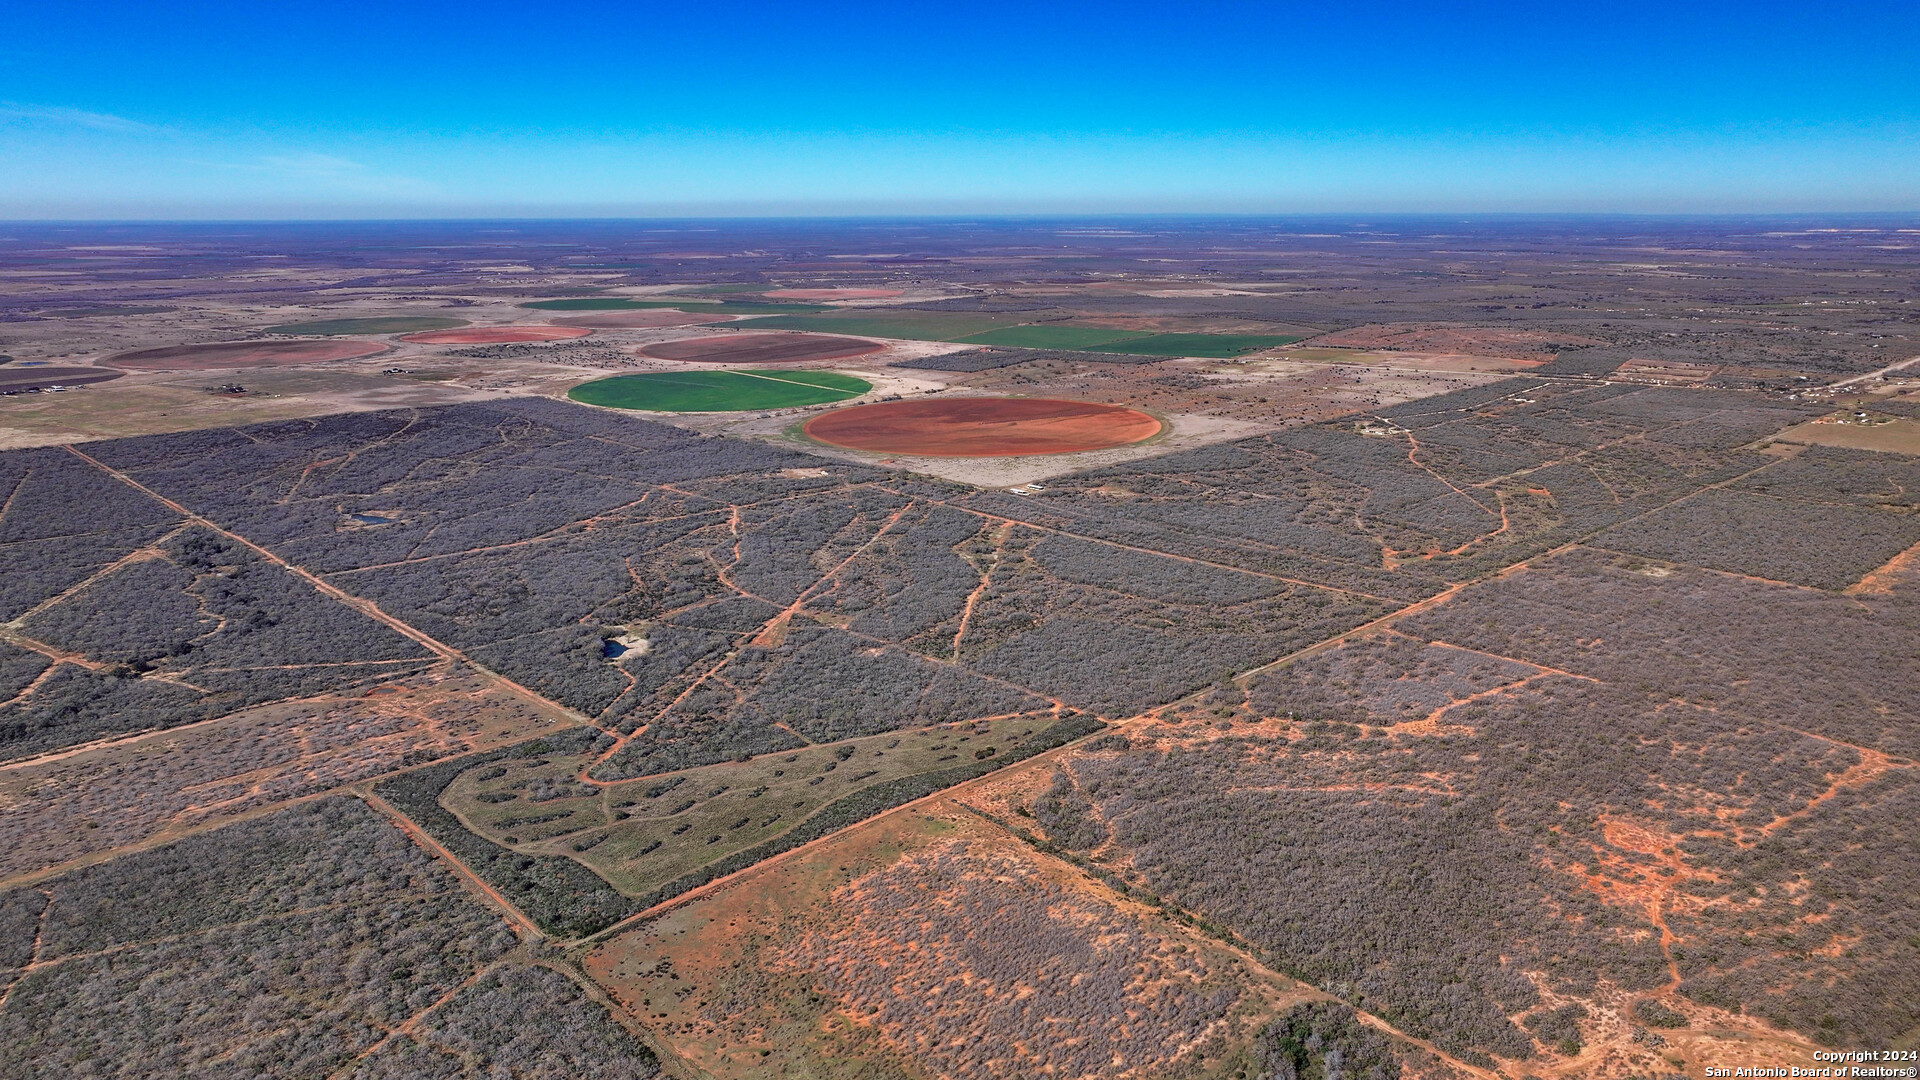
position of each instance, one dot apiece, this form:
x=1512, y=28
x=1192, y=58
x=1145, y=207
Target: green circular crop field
x=719, y=391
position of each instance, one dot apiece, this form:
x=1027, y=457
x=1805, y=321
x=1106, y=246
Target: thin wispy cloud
x=310, y=171
x=60, y=116
x=313, y=164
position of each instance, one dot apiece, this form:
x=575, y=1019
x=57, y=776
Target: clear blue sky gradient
x=118, y=109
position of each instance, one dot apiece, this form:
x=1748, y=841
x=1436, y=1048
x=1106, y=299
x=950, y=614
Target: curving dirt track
x=235, y=354
x=761, y=348
x=495, y=335
x=832, y=294
x=982, y=427
x=640, y=320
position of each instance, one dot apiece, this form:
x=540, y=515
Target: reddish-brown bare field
x=933, y=943
x=1473, y=340
x=761, y=348
x=496, y=335
x=833, y=294
x=233, y=354
x=982, y=427
x=13, y=378
x=650, y=318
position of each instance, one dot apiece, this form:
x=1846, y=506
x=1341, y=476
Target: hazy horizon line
x=971, y=215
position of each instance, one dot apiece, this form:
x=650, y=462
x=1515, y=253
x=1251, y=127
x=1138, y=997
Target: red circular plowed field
x=982, y=427
x=761, y=348
x=233, y=354
x=639, y=320
x=833, y=294
x=495, y=335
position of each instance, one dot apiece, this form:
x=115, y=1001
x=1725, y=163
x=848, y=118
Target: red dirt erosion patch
x=833, y=294
x=233, y=354
x=639, y=320
x=495, y=335
x=761, y=348
x=982, y=427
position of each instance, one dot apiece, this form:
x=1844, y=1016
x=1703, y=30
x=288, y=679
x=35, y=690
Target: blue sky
x=228, y=110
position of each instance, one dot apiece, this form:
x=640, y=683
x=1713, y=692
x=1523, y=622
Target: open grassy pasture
x=719, y=391
x=644, y=833
x=1056, y=336
x=395, y=324
x=1215, y=346
x=1887, y=434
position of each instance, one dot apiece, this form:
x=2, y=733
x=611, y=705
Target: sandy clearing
x=982, y=427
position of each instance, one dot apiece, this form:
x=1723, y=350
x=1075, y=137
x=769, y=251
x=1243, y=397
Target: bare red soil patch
x=232, y=354
x=761, y=348
x=639, y=320
x=833, y=294
x=982, y=427
x=495, y=335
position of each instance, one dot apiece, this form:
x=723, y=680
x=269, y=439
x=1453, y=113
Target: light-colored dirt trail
x=14, y=494
x=555, y=533
x=140, y=554
x=1240, y=948
x=135, y=736
x=58, y=656
x=1432, y=723
x=774, y=631
x=1753, y=579
x=1882, y=579
x=1003, y=519
x=521, y=924
x=405, y=1027
x=203, y=817
x=1413, y=458
x=1451, y=591
x=1871, y=375
x=294, y=488
x=308, y=667
x=38, y=964
x=770, y=633
x=365, y=607
x=1544, y=669
x=1365, y=628
x=158, y=840
x=1872, y=765
x=27, y=691
x=989, y=561
x=33, y=954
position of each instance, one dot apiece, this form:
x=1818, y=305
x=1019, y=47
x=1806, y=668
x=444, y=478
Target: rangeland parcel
x=1562, y=723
